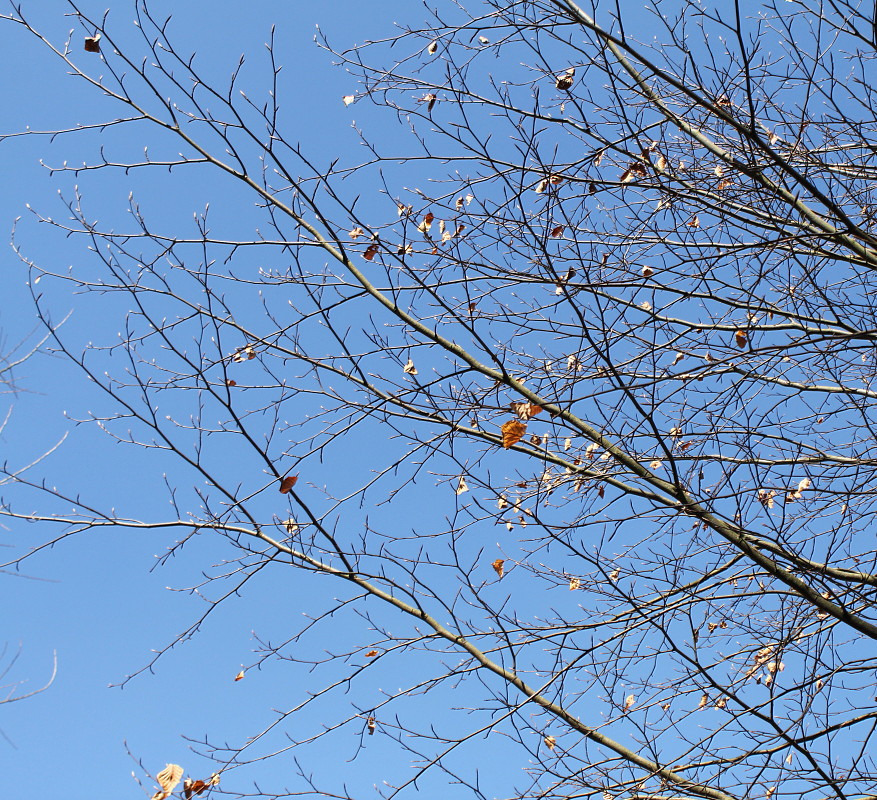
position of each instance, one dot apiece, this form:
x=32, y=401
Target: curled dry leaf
x=574, y=583
x=565, y=80
x=239, y=676
x=499, y=567
x=461, y=486
x=740, y=338
x=426, y=223
x=287, y=483
x=371, y=725
x=92, y=43
x=230, y=382
x=647, y=272
x=371, y=653
x=291, y=526
x=629, y=701
x=704, y=700
x=615, y=574
x=636, y=169
x=409, y=368
x=694, y=222
x=370, y=252
x=656, y=464
x=356, y=233
x=567, y=443
x=168, y=779
x=557, y=231
x=483, y=40
x=348, y=99
x=525, y=410
x=550, y=742
x=195, y=787
x=432, y=47
x=512, y=431
x=502, y=503
x=429, y=99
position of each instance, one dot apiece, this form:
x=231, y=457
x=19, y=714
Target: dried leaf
x=287, y=483
x=740, y=338
x=615, y=574
x=231, y=382
x=694, y=222
x=426, y=223
x=429, y=99
x=598, y=158
x=565, y=80
x=409, y=368
x=371, y=725
x=371, y=653
x=628, y=702
x=92, y=43
x=574, y=583
x=483, y=40
x=567, y=443
x=168, y=779
x=291, y=526
x=719, y=171
x=499, y=567
x=647, y=272
x=371, y=252
x=661, y=164
x=656, y=464
x=525, y=410
x=550, y=741
x=461, y=486
x=542, y=186
x=239, y=676
x=557, y=231
x=502, y=503
x=636, y=169
x=432, y=47
x=404, y=250
x=356, y=233
x=512, y=432
x=348, y=99
x=704, y=700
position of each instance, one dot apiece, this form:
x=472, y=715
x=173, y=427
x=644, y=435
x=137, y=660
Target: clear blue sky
x=95, y=602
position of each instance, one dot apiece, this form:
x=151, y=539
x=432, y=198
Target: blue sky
x=96, y=603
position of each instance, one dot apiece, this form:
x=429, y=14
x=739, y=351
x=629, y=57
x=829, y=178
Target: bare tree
x=625, y=326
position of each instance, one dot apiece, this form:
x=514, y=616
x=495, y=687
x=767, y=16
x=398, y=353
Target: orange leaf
x=498, y=567
x=287, y=483
x=512, y=431
x=740, y=338
x=371, y=653
x=239, y=676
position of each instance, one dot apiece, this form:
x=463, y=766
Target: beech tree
x=599, y=315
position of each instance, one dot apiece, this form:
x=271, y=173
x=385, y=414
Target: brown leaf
x=371, y=653
x=694, y=222
x=525, y=410
x=432, y=48
x=92, y=43
x=192, y=788
x=741, y=339
x=461, y=486
x=636, y=169
x=371, y=252
x=168, y=779
x=601, y=490
x=574, y=583
x=647, y=272
x=239, y=676
x=565, y=80
x=370, y=724
x=498, y=567
x=409, y=368
x=512, y=432
x=287, y=483
x=558, y=231
x=231, y=382
x=429, y=99
x=550, y=741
